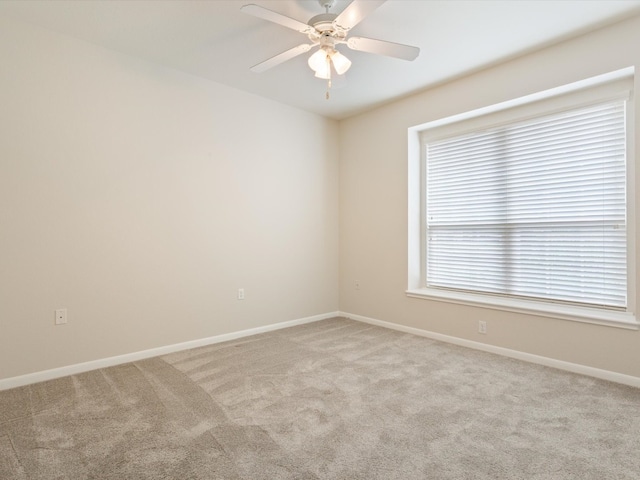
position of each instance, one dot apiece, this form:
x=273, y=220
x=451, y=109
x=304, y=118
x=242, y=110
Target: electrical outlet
x=61, y=316
x=482, y=327
x=241, y=294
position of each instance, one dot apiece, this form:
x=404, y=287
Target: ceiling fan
x=326, y=31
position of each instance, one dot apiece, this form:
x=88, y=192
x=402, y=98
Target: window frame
x=594, y=90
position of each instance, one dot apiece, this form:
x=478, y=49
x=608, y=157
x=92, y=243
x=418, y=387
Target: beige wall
x=373, y=205
x=141, y=199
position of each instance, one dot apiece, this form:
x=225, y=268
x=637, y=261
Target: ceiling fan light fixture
x=340, y=62
x=322, y=75
x=319, y=64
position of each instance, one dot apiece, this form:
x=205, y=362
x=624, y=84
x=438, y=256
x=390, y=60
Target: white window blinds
x=535, y=209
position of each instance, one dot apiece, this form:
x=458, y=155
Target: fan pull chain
x=329, y=77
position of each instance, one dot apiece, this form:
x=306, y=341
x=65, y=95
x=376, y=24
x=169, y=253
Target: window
x=528, y=207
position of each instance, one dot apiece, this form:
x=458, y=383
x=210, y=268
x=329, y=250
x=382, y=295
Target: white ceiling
x=213, y=39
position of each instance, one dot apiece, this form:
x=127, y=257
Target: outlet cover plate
x=61, y=316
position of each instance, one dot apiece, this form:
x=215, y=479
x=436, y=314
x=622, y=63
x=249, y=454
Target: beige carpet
x=335, y=399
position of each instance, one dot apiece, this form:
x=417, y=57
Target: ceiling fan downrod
x=327, y=4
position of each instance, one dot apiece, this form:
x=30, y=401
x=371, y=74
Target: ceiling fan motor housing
x=323, y=22
x=326, y=33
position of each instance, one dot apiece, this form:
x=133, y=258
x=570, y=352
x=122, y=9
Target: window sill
x=564, y=312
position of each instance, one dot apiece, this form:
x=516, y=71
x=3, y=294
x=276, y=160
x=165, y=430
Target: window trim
x=583, y=92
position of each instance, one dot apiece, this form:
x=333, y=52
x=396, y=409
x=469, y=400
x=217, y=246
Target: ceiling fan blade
x=281, y=58
x=275, y=17
x=381, y=47
x=355, y=12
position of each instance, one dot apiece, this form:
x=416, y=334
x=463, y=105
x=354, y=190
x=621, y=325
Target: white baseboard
x=527, y=357
x=36, y=377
